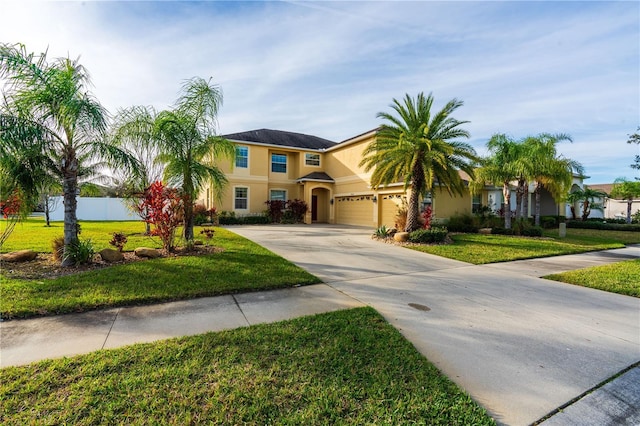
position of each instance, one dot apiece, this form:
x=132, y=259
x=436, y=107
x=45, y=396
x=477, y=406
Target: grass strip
x=346, y=367
x=481, y=249
x=621, y=277
x=242, y=266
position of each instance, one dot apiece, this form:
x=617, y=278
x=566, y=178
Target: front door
x=314, y=208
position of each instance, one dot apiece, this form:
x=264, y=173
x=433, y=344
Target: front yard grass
x=480, y=249
x=242, y=266
x=346, y=367
x=621, y=277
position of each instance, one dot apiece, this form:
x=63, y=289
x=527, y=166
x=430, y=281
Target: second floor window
x=312, y=159
x=242, y=157
x=278, y=163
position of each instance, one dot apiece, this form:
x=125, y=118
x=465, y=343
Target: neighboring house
x=613, y=209
x=279, y=165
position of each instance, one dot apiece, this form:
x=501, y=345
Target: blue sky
x=327, y=68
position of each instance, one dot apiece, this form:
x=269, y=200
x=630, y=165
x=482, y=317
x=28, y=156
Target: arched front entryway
x=319, y=206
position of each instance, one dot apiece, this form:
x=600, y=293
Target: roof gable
x=281, y=138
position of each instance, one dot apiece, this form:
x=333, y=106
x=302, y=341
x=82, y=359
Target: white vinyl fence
x=96, y=208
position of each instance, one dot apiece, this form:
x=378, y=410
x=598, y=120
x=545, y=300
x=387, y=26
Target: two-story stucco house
x=279, y=165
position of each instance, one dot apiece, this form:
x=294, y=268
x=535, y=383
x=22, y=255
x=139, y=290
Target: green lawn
x=480, y=249
x=34, y=235
x=347, y=367
x=242, y=266
x=621, y=277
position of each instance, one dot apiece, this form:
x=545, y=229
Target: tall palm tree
x=500, y=168
x=551, y=171
x=186, y=140
x=48, y=105
x=418, y=148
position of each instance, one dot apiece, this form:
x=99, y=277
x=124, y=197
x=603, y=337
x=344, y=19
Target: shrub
x=401, y=215
x=427, y=216
x=208, y=233
x=603, y=226
x=80, y=252
x=533, y=231
x=382, y=232
x=275, y=209
x=200, y=214
x=165, y=209
x=298, y=209
x=462, y=223
x=254, y=220
x=57, y=246
x=499, y=230
x=427, y=236
x=118, y=240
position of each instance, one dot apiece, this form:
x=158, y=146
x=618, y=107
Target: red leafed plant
x=165, y=212
x=427, y=216
x=10, y=209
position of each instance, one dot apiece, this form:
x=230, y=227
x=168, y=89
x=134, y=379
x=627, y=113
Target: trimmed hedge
x=244, y=220
x=426, y=236
x=606, y=226
x=462, y=223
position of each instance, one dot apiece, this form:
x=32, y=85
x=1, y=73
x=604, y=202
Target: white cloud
x=327, y=68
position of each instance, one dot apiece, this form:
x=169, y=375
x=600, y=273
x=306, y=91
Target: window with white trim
x=312, y=159
x=476, y=203
x=278, y=194
x=242, y=157
x=279, y=163
x=241, y=198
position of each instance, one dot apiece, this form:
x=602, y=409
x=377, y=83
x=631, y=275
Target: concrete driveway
x=520, y=345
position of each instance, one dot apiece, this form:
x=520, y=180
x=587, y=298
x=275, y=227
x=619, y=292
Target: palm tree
x=185, y=137
x=551, y=171
x=47, y=105
x=417, y=147
x=133, y=131
x=628, y=191
x=586, y=197
x=500, y=168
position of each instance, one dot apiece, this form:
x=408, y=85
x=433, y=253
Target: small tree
x=297, y=209
x=628, y=191
x=587, y=198
x=165, y=207
x=275, y=210
x=11, y=210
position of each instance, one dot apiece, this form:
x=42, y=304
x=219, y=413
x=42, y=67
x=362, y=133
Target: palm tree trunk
x=525, y=201
x=47, y=208
x=188, y=219
x=586, y=211
x=69, y=187
x=413, y=212
x=537, y=208
x=519, y=196
x=506, y=207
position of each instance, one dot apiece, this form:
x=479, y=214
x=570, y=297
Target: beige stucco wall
x=445, y=205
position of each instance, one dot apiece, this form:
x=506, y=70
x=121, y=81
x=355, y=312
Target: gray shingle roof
x=316, y=176
x=281, y=138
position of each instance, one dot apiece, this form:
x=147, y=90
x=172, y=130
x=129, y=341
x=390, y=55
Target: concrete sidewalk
x=520, y=345
x=26, y=341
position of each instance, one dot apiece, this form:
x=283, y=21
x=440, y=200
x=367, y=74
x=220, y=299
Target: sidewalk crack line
x=115, y=317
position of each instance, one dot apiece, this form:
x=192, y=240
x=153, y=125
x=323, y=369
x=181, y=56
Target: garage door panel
x=354, y=210
x=389, y=204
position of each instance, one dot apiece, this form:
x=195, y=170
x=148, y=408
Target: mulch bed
x=45, y=266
